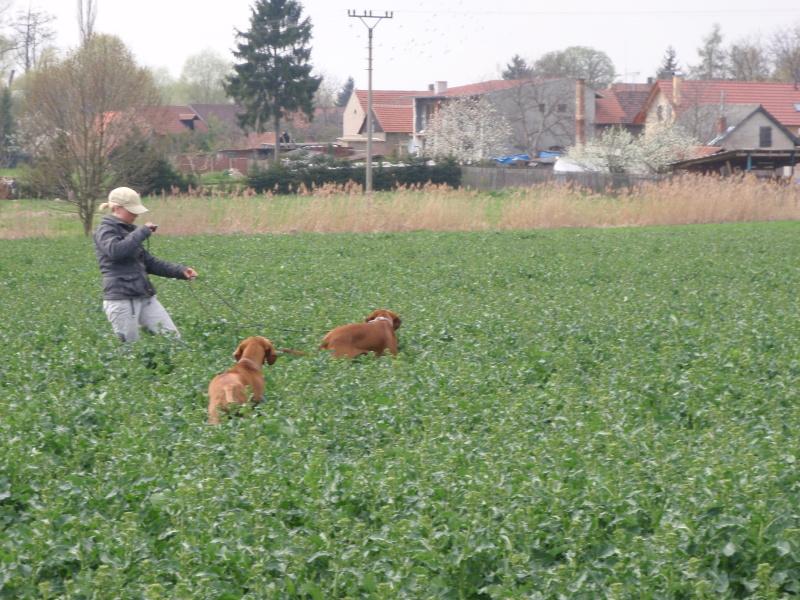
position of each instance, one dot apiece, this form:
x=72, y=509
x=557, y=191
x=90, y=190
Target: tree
x=517, y=69
x=7, y=129
x=713, y=58
x=617, y=150
x=31, y=30
x=785, y=50
x=577, y=62
x=202, y=79
x=80, y=114
x=669, y=64
x=87, y=14
x=344, y=94
x=541, y=114
x=748, y=61
x=273, y=76
x=467, y=130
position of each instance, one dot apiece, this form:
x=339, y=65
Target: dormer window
x=797, y=106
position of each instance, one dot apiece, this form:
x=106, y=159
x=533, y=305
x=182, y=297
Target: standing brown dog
x=231, y=386
x=376, y=334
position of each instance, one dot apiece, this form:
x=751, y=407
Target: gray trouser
x=127, y=316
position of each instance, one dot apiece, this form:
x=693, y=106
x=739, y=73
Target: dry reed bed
x=684, y=200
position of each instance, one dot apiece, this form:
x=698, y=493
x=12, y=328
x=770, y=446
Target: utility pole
x=371, y=22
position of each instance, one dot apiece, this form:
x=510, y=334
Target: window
x=562, y=108
x=764, y=137
x=797, y=106
x=660, y=113
x=542, y=107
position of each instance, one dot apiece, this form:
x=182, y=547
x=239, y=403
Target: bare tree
x=80, y=117
x=87, y=13
x=748, y=60
x=540, y=113
x=31, y=31
x=785, y=50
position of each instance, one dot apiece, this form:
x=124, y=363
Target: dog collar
x=380, y=319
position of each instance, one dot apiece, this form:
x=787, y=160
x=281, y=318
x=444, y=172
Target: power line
x=371, y=22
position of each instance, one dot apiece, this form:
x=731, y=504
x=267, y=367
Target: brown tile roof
x=483, y=87
x=780, y=99
x=168, y=120
x=620, y=103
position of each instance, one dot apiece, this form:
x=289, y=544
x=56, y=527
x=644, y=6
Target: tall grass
x=684, y=200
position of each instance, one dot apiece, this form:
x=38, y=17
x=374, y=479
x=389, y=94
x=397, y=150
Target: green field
x=573, y=414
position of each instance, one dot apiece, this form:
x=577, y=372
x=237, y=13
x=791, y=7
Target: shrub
x=289, y=178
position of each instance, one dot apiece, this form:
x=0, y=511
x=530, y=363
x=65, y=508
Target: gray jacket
x=125, y=264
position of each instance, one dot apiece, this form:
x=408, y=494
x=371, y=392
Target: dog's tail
x=290, y=351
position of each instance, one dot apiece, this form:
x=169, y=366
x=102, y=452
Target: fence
x=495, y=178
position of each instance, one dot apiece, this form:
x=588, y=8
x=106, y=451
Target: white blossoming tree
x=617, y=150
x=467, y=130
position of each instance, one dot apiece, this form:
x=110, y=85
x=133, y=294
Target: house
x=757, y=142
x=696, y=105
x=543, y=114
x=392, y=121
x=224, y=120
x=169, y=120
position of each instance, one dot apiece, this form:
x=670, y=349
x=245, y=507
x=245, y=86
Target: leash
x=240, y=320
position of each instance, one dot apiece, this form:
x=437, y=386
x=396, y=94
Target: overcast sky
x=459, y=41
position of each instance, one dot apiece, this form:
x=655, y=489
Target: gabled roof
x=777, y=98
x=166, y=120
x=620, y=103
x=483, y=87
x=394, y=109
x=717, y=141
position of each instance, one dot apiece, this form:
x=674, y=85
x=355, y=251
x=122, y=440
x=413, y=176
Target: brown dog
x=231, y=386
x=376, y=334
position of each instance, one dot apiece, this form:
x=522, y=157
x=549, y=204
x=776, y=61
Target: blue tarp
x=511, y=159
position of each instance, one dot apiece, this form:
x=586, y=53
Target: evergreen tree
x=669, y=65
x=344, y=94
x=272, y=77
x=517, y=69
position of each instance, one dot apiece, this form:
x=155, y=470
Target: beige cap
x=128, y=199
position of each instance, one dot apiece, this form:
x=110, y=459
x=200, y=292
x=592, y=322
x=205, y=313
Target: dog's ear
x=239, y=351
x=270, y=355
x=396, y=322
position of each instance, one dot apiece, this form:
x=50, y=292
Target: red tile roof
x=393, y=109
x=780, y=99
x=620, y=103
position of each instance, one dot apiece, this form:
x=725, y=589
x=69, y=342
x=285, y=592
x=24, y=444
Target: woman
x=129, y=299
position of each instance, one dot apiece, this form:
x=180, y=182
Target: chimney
x=430, y=87
x=722, y=125
x=440, y=87
x=580, y=112
x=650, y=81
x=676, y=90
